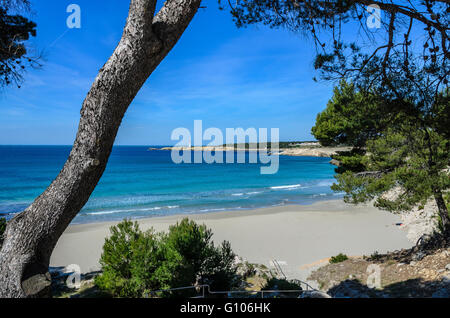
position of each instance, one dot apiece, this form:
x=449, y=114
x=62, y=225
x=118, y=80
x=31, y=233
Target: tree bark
x=443, y=212
x=31, y=236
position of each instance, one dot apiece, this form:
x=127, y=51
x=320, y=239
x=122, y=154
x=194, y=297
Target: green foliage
x=220, y=269
x=375, y=256
x=2, y=230
x=408, y=150
x=135, y=262
x=402, y=156
x=338, y=258
x=281, y=284
x=350, y=160
x=396, y=114
x=351, y=117
x=15, y=30
x=405, y=67
x=193, y=243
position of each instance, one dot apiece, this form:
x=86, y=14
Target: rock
x=38, y=286
x=420, y=220
x=87, y=282
x=413, y=263
x=418, y=256
x=447, y=267
x=335, y=162
x=314, y=294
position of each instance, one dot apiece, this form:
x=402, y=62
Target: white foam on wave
x=327, y=183
x=294, y=186
x=247, y=193
x=212, y=210
x=132, y=210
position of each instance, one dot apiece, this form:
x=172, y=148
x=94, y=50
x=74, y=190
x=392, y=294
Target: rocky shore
x=304, y=150
x=422, y=275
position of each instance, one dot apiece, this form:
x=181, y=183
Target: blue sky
x=227, y=77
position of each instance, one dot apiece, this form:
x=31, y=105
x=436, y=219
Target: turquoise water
x=139, y=183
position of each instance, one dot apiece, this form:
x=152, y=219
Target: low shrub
x=338, y=258
x=135, y=263
x=282, y=284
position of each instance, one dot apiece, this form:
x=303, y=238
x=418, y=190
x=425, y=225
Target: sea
x=143, y=183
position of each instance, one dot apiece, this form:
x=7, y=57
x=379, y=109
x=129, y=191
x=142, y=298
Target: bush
x=282, y=284
x=219, y=270
x=135, y=262
x=2, y=230
x=338, y=258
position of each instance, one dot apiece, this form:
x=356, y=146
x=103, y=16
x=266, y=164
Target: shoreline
x=294, y=235
x=310, y=150
x=224, y=211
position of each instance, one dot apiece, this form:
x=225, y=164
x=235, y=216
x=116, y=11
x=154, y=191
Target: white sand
x=296, y=236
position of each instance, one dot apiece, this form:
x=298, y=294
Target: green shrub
x=219, y=270
x=338, y=258
x=135, y=262
x=2, y=230
x=374, y=256
x=192, y=243
x=281, y=284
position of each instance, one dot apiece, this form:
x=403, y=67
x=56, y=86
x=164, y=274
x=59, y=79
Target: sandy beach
x=299, y=237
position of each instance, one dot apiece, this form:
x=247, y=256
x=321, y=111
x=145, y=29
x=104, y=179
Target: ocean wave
x=246, y=193
x=213, y=210
x=294, y=186
x=327, y=183
x=132, y=210
x=125, y=201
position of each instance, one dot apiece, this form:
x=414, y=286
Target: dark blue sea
x=139, y=183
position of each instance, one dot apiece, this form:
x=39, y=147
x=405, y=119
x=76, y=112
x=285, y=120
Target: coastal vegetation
x=338, y=258
x=15, y=31
x=148, y=37
x=134, y=263
x=394, y=109
x=403, y=148
x=268, y=145
x=410, y=153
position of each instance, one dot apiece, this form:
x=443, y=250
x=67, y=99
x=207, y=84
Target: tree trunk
x=443, y=212
x=31, y=236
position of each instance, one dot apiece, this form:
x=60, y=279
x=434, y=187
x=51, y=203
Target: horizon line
x=138, y=145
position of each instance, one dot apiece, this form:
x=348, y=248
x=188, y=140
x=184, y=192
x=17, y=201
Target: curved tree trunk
x=32, y=235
